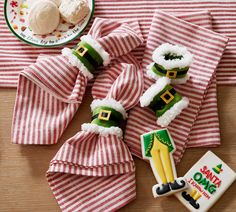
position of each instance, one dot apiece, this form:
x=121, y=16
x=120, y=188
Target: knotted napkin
x=94, y=170
x=51, y=90
x=207, y=48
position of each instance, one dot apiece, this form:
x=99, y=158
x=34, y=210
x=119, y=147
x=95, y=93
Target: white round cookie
x=31, y=2
x=44, y=17
x=73, y=11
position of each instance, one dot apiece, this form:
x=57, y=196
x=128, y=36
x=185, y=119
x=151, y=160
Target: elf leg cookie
x=51, y=90
x=164, y=100
x=158, y=147
x=94, y=170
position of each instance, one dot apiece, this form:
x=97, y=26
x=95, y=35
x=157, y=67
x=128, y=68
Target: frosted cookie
x=44, y=17
x=73, y=11
x=164, y=100
x=208, y=179
x=158, y=147
x=170, y=61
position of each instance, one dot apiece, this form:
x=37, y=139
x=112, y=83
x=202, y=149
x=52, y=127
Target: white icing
x=99, y=49
x=104, y=131
x=73, y=11
x=74, y=61
x=44, y=17
x=160, y=52
x=227, y=176
x=153, y=90
x=174, y=111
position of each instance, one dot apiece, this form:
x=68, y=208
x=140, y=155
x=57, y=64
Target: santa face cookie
x=171, y=61
x=208, y=179
x=158, y=147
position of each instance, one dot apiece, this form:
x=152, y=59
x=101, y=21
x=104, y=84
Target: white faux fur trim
x=174, y=111
x=152, y=75
x=109, y=103
x=159, y=56
x=74, y=61
x=104, y=131
x=152, y=91
x=104, y=55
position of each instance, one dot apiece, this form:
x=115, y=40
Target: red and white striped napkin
x=207, y=48
x=15, y=55
x=94, y=170
x=51, y=90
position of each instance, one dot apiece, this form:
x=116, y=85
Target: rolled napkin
x=94, y=170
x=51, y=90
x=207, y=48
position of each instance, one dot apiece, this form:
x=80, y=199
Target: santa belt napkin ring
x=106, y=117
x=88, y=56
x=172, y=74
x=165, y=98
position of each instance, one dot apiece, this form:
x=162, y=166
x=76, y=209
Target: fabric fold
x=51, y=90
x=94, y=170
x=207, y=48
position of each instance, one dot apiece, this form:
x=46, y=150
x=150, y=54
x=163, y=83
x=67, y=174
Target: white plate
x=16, y=12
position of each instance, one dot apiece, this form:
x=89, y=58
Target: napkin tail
x=83, y=193
x=49, y=94
x=91, y=172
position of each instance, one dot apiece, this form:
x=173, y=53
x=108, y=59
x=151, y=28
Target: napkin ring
x=171, y=61
x=164, y=100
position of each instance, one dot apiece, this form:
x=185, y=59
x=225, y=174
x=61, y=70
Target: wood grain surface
x=23, y=186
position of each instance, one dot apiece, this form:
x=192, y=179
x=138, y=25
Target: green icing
x=177, y=98
x=84, y=61
x=107, y=123
x=162, y=136
x=95, y=55
x=155, y=70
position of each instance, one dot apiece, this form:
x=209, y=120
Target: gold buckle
x=104, y=115
x=167, y=97
x=81, y=50
x=171, y=74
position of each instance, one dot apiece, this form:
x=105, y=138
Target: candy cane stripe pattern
x=51, y=90
x=15, y=55
x=94, y=170
x=207, y=48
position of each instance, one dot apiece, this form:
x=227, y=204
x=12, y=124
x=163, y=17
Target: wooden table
x=23, y=186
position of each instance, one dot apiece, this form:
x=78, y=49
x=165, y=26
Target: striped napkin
x=94, y=170
x=51, y=90
x=207, y=48
x=15, y=55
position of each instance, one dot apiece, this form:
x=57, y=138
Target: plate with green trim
x=16, y=15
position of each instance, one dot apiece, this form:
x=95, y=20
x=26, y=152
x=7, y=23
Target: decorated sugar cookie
x=208, y=179
x=164, y=100
x=171, y=61
x=158, y=147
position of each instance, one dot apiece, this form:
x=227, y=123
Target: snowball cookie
x=73, y=11
x=44, y=17
x=31, y=2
